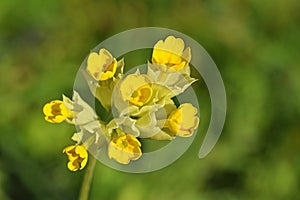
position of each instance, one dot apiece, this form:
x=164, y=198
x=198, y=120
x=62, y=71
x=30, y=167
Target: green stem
x=85, y=188
x=86, y=185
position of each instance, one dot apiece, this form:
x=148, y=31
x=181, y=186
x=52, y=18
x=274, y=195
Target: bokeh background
x=254, y=43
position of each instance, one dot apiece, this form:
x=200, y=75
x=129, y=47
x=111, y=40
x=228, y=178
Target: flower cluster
x=142, y=104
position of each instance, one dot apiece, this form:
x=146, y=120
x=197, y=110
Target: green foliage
x=254, y=43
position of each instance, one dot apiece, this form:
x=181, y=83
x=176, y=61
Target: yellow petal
x=190, y=120
x=68, y=150
x=72, y=167
x=47, y=109
x=170, y=45
x=94, y=64
x=83, y=154
x=174, y=120
x=81, y=151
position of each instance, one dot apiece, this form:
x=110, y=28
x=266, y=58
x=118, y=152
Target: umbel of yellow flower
x=183, y=121
x=170, y=55
x=77, y=156
x=101, y=66
x=56, y=112
x=124, y=148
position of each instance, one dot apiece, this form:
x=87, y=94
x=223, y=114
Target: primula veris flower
x=183, y=121
x=137, y=89
x=77, y=156
x=56, y=112
x=170, y=55
x=101, y=66
x=141, y=95
x=102, y=88
x=124, y=148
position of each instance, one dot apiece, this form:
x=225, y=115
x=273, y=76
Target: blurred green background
x=254, y=43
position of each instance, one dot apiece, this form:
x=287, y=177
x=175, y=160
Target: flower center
x=141, y=95
x=56, y=110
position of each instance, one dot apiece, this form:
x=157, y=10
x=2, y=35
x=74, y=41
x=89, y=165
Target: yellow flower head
x=101, y=66
x=183, y=121
x=170, y=55
x=56, y=112
x=137, y=89
x=124, y=148
x=77, y=156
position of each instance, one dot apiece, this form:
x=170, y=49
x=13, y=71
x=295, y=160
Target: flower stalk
x=87, y=180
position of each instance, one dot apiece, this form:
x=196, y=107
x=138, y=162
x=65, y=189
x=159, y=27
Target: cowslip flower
x=102, y=73
x=101, y=66
x=170, y=55
x=183, y=121
x=56, y=111
x=77, y=156
x=124, y=148
x=141, y=95
x=137, y=89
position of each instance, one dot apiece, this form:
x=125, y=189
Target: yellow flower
x=170, y=55
x=141, y=95
x=183, y=121
x=56, y=112
x=124, y=148
x=101, y=66
x=77, y=156
x=137, y=89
